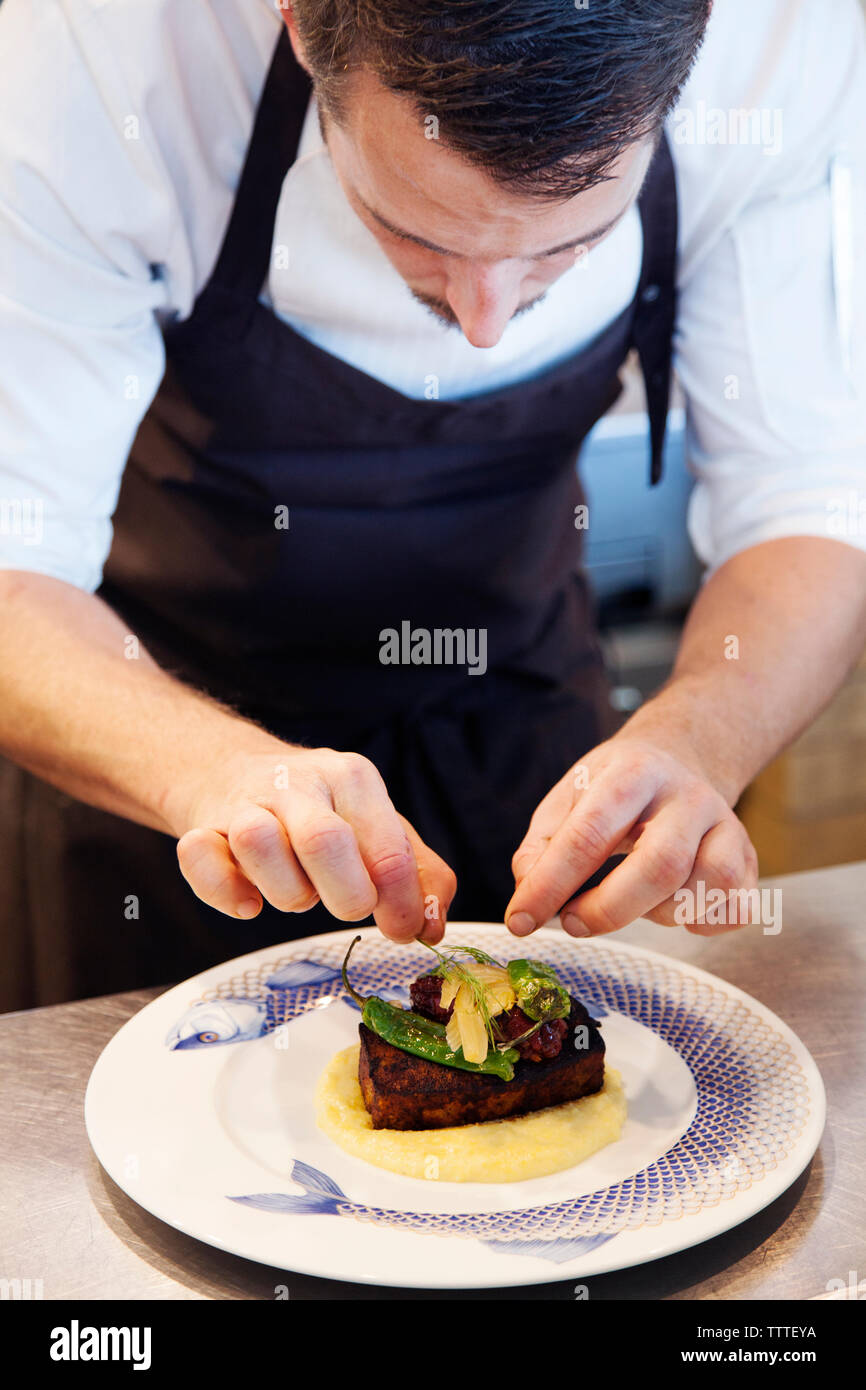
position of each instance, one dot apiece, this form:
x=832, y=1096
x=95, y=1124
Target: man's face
x=475, y=254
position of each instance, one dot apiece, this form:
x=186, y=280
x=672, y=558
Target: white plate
x=201, y=1109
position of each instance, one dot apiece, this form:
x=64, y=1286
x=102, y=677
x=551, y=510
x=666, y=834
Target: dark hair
x=540, y=93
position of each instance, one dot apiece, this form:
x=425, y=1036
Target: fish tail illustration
x=283, y=1203
x=322, y=1196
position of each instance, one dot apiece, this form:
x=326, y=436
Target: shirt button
x=650, y=294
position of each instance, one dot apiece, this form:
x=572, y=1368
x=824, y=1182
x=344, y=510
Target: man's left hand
x=628, y=795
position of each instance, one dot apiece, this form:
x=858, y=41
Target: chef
x=306, y=309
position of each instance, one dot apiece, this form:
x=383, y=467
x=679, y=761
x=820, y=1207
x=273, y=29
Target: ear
x=286, y=9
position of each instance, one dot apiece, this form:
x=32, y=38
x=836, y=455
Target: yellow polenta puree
x=527, y=1146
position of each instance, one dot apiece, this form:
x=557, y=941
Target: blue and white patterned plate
x=201, y=1109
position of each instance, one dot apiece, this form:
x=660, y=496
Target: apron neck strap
x=242, y=264
x=656, y=297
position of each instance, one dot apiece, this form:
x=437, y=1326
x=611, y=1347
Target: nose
x=484, y=297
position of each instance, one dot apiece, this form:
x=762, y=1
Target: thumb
x=438, y=885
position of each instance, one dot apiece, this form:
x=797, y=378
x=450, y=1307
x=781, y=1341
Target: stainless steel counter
x=62, y=1220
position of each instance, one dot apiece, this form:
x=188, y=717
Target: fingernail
x=250, y=908
x=574, y=926
x=520, y=923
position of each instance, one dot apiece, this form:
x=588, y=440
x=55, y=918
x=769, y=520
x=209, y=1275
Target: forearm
x=125, y=736
x=116, y=732
x=768, y=641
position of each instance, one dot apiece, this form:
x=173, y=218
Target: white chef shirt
x=123, y=128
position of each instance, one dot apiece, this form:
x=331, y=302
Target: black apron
x=279, y=511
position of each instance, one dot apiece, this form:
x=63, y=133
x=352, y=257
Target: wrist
x=210, y=767
x=682, y=720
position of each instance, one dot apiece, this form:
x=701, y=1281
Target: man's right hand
x=299, y=826
x=256, y=818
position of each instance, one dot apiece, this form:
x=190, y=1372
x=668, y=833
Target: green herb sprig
x=449, y=967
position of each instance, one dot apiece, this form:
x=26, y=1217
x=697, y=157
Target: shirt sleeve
x=123, y=127
x=82, y=236
x=771, y=338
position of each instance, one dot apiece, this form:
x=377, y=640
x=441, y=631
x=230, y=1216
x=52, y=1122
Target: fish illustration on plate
x=239, y=1017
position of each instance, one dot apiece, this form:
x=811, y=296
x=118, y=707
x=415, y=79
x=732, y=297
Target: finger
x=661, y=862
x=262, y=851
x=327, y=850
x=722, y=886
x=546, y=820
x=549, y=816
x=438, y=886
x=579, y=846
x=207, y=865
x=361, y=798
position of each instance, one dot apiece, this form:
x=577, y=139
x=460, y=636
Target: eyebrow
x=536, y=256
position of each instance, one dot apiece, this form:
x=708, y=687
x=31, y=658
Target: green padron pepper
x=539, y=993
x=421, y=1036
